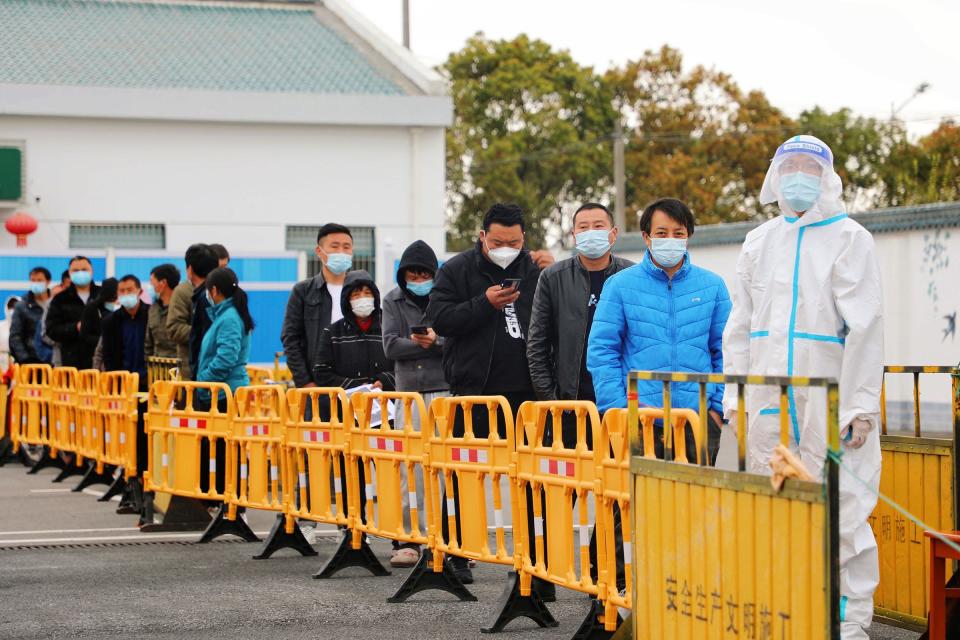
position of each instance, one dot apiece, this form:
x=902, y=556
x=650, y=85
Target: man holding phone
x=416, y=351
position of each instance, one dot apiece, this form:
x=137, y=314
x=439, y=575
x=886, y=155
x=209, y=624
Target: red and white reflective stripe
x=538, y=527
x=163, y=460
x=469, y=455
x=316, y=436
x=498, y=518
x=558, y=468
x=63, y=397
x=243, y=472
x=627, y=551
x=113, y=405
x=189, y=423
x=43, y=421
x=386, y=444
x=33, y=393
x=584, y=535
x=258, y=430
x=412, y=499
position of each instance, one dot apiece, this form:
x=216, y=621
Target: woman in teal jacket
x=226, y=345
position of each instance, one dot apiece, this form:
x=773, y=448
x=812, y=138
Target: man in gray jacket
x=563, y=308
x=417, y=352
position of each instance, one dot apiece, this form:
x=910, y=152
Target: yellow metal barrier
x=31, y=406
x=722, y=554
x=258, y=375
x=117, y=419
x=162, y=369
x=612, y=460
x=281, y=373
x=182, y=456
x=88, y=394
x=63, y=410
x=920, y=473
x=4, y=390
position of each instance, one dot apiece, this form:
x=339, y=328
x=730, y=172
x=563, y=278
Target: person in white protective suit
x=807, y=301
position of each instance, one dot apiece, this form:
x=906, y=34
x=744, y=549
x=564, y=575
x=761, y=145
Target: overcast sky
x=863, y=54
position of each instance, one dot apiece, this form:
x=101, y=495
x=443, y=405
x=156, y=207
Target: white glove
x=856, y=433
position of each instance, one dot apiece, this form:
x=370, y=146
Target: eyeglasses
x=800, y=162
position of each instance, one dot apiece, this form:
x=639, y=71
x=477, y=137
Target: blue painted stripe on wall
x=267, y=309
x=18, y=267
x=247, y=269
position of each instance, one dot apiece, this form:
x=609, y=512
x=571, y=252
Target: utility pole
x=619, y=179
x=406, y=23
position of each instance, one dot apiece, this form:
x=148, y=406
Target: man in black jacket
x=315, y=303
x=481, y=305
x=26, y=315
x=124, y=331
x=63, y=318
x=566, y=298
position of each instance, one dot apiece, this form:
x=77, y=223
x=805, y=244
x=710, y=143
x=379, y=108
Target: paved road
x=71, y=568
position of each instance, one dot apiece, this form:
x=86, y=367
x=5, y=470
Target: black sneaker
x=461, y=569
x=546, y=589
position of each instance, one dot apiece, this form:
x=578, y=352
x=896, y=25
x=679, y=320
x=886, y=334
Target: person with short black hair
x=26, y=314
x=664, y=314
x=223, y=256
x=124, y=331
x=66, y=310
x=164, y=278
x=187, y=296
x=314, y=304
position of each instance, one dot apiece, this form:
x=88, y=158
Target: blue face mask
x=209, y=299
x=128, y=300
x=81, y=278
x=151, y=292
x=38, y=288
x=339, y=262
x=111, y=306
x=594, y=243
x=422, y=289
x=800, y=190
x=668, y=252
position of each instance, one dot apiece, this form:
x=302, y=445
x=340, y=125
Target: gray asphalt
x=71, y=568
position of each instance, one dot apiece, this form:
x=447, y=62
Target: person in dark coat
x=94, y=312
x=351, y=353
x=66, y=310
x=26, y=315
x=124, y=332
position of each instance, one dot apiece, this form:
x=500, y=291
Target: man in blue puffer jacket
x=664, y=314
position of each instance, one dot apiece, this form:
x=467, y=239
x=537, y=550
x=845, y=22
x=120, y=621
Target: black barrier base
x=46, y=460
x=69, y=469
x=346, y=556
x=132, y=499
x=221, y=526
x=280, y=539
x=424, y=578
x=182, y=514
x=6, y=451
x=625, y=630
x=116, y=487
x=513, y=605
x=592, y=627
x=91, y=477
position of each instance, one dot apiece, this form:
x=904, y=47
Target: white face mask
x=503, y=257
x=362, y=307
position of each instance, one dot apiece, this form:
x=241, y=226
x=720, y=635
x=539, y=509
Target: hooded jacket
x=348, y=357
x=416, y=368
x=462, y=314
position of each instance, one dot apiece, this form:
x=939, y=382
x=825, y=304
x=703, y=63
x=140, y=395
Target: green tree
x=694, y=135
x=928, y=171
x=530, y=126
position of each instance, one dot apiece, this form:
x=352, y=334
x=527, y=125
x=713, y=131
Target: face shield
x=801, y=179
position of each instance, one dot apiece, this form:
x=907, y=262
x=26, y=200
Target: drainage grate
x=110, y=545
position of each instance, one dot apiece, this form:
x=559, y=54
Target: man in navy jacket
x=664, y=314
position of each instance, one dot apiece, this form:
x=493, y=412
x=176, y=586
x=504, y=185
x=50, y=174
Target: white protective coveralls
x=807, y=301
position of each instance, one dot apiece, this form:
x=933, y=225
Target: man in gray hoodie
x=417, y=351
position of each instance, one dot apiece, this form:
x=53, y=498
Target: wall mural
x=935, y=266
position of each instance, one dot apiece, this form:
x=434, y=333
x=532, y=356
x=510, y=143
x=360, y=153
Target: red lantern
x=21, y=224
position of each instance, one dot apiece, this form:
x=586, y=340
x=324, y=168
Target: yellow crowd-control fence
x=63, y=409
x=29, y=416
x=919, y=472
x=721, y=553
x=159, y=368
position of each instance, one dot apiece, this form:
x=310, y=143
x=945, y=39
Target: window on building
x=304, y=238
x=118, y=236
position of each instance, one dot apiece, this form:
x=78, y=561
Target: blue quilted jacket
x=647, y=322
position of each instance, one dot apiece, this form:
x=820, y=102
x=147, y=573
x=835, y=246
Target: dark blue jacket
x=648, y=322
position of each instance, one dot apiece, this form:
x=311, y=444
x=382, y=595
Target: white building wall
x=234, y=183
x=921, y=280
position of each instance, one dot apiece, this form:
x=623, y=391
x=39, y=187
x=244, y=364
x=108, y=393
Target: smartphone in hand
x=420, y=330
x=510, y=283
